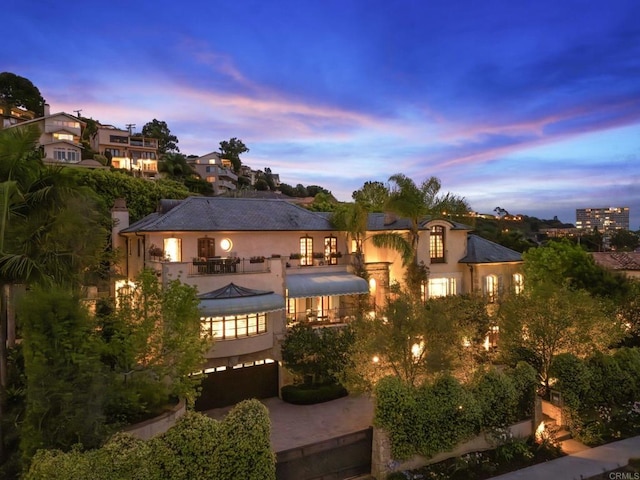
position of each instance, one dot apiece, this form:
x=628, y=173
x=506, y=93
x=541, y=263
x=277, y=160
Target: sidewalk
x=580, y=465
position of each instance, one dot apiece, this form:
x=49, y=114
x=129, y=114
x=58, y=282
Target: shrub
x=497, y=398
x=196, y=447
x=525, y=380
x=606, y=380
x=573, y=379
x=310, y=394
x=244, y=450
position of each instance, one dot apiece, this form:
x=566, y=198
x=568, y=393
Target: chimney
x=120, y=217
x=47, y=110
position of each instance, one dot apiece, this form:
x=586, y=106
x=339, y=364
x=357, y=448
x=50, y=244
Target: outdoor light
x=226, y=244
x=375, y=359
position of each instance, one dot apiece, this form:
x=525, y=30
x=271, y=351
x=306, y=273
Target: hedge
x=438, y=415
x=196, y=447
x=311, y=394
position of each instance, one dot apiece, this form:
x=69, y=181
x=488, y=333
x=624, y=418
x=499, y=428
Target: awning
x=236, y=300
x=325, y=284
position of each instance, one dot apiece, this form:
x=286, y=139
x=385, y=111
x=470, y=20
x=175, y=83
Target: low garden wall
x=552, y=411
x=382, y=464
x=157, y=425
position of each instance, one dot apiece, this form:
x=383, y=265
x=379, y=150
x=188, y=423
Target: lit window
x=518, y=283
x=234, y=326
x=173, y=249
x=306, y=251
x=63, y=136
x=436, y=244
x=491, y=288
x=441, y=287
x=331, y=250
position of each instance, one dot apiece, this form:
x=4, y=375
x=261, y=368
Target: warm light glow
x=541, y=432
x=226, y=244
x=466, y=342
x=375, y=359
x=372, y=286
x=417, y=349
x=172, y=249
x=486, y=343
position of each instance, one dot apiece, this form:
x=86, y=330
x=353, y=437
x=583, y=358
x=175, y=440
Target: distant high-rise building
x=604, y=219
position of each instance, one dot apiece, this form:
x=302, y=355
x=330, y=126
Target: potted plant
x=294, y=256
x=335, y=255
x=318, y=255
x=155, y=251
x=257, y=259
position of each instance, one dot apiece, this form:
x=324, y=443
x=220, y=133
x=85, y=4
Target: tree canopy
x=373, y=196
x=166, y=141
x=17, y=91
x=232, y=149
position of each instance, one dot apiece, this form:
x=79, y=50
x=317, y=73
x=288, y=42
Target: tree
x=413, y=340
x=373, y=196
x=65, y=380
x=17, y=91
x=153, y=338
x=417, y=204
x=624, y=241
x=175, y=166
x=167, y=143
x=320, y=354
x=563, y=263
x=552, y=319
x=352, y=218
x=232, y=149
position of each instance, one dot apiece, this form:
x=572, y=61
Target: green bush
x=311, y=394
x=606, y=380
x=196, y=447
x=573, y=379
x=629, y=362
x=525, y=381
x=497, y=398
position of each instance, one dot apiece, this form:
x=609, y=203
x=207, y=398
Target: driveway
x=297, y=425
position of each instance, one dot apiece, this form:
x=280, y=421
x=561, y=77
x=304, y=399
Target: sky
x=532, y=106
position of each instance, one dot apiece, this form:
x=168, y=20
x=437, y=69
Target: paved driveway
x=297, y=425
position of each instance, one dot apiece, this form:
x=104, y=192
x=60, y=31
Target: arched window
x=436, y=244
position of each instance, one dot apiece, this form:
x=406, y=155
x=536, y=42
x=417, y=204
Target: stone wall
x=382, y=463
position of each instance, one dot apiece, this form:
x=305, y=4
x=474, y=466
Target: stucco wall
x=160, y=424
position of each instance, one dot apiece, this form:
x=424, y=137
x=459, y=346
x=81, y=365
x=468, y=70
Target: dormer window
x=436, y=244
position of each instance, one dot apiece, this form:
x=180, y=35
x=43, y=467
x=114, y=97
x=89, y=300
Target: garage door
x=228, y=387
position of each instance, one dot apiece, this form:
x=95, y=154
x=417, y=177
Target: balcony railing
x=228, y=265
x=330, y=316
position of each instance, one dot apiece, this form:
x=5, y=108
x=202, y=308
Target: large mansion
x=260, y=265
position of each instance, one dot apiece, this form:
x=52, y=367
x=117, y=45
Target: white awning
x=235, y=300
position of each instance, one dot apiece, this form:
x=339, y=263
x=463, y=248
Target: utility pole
x=130, y=127
x=77, y=112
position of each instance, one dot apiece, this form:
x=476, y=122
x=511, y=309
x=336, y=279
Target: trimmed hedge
x=437, y=416
x=196, y=447
x=311, y=394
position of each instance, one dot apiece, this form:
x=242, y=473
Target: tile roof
x=232, y=214
x=377, y=222
x=618, y=260
x=481, y=250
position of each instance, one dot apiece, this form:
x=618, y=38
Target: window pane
x=229, y=327
x=262, y=322
x=253, y=324
x=217, y=327
x=241, y=326
x=436, y=244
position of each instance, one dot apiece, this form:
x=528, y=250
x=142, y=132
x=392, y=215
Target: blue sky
x=530, y=106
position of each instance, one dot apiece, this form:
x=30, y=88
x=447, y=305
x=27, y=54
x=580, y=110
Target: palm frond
x=397, y=242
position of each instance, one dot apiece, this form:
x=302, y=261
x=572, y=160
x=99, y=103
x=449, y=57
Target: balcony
x=229, y=265
x=332, y=316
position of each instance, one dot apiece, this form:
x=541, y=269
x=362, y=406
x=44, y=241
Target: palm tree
x=417, y=204
x=49, y=229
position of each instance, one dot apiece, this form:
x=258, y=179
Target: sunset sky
x=530, y=106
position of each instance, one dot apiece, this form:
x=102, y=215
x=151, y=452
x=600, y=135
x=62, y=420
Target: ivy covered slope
x=196, y=447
